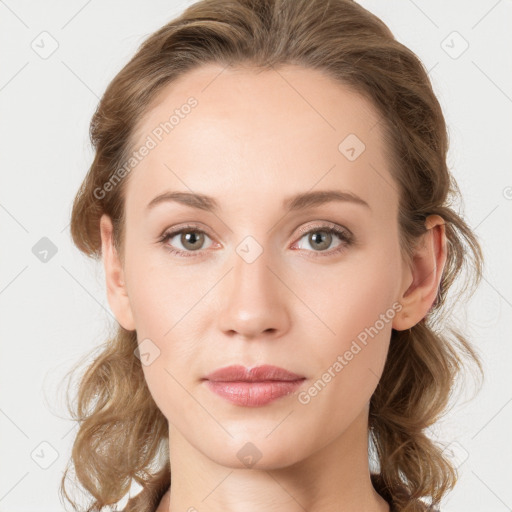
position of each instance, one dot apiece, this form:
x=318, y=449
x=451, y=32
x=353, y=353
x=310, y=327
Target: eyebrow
x=297, y=202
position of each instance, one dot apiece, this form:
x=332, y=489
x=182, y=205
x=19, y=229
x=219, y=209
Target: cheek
x=166, y=319
x=160, y=293
x=169, y=305
x=356, y=305
x=348, y=362
x=352, y=294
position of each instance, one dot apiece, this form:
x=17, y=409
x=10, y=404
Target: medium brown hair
x=122, y=433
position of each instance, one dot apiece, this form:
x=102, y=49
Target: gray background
x=54, y=311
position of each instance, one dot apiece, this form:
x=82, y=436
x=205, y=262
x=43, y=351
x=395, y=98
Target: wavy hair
x=122, y=434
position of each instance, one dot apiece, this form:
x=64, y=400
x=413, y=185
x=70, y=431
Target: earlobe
x=421, y=282
x=114, y=275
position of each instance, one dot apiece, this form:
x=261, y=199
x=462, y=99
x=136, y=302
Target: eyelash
x=345, y=236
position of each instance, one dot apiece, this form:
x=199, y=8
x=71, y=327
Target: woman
x=270, y=199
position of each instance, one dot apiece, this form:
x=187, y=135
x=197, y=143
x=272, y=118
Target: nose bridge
x=253, y=301
x=251, y=273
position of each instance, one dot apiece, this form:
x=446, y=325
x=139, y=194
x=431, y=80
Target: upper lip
x=256, y=374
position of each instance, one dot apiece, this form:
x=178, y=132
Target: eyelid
x=174, y=230
x=325, y=224
x=321, y=224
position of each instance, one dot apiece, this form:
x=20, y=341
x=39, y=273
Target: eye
x=322, y=237
x=191, y=239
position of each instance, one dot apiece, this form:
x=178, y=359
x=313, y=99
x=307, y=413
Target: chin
x=256, y=453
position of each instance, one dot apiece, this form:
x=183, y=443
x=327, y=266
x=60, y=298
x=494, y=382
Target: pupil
x=319, y=239
x=191, y=239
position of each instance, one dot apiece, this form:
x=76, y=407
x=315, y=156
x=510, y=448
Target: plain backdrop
x=57, y=58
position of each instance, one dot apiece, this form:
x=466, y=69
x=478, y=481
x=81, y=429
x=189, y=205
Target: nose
x=254, y=300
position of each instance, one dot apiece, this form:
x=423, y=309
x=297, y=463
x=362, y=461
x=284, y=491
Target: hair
x=121, y=430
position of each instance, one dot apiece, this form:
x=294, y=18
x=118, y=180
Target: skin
x=252, y=141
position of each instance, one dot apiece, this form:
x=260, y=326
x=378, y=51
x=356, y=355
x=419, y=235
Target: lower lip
x=254, y=394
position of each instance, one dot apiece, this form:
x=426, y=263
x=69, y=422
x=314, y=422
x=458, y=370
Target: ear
x=114, y=275
x=421, y=280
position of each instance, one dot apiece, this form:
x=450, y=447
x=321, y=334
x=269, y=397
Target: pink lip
x=253, y=387
x=256, y=374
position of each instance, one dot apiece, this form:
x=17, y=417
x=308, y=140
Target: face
x=308, y=286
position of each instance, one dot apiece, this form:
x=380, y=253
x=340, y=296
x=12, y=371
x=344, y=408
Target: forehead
x=254, y=134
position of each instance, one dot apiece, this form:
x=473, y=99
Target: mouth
x=256, y=374
x=253, y=387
